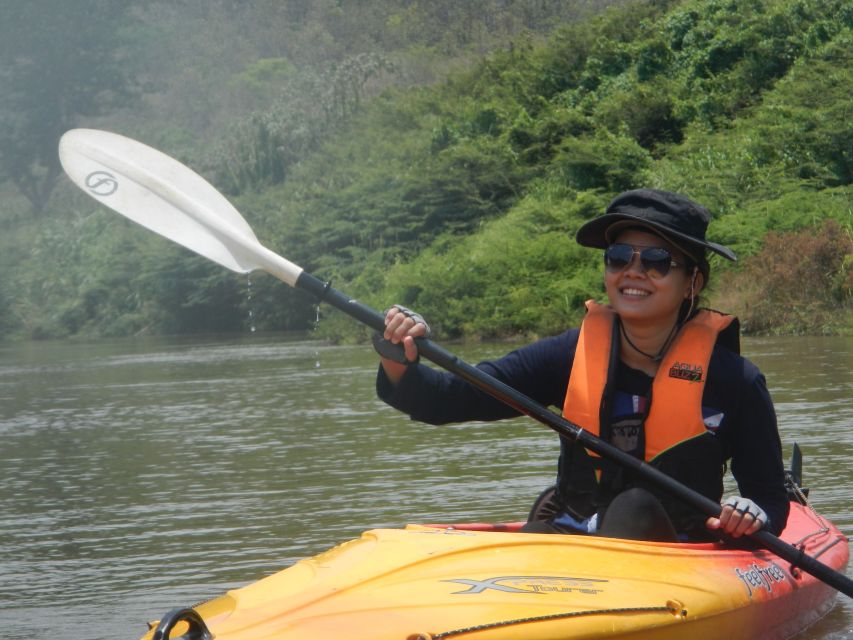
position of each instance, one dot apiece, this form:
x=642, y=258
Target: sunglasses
x=656, y=261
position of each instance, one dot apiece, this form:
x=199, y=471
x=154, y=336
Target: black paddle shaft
x=527, y=406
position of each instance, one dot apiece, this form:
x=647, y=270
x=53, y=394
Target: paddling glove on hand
x=389, y=350
x=744, y=506
x=418, y=318
x=395, y=351
x=739, y=516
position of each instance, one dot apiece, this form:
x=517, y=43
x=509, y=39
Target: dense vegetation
x=416, y=168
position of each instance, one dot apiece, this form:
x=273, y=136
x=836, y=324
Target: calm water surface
x=136, y=476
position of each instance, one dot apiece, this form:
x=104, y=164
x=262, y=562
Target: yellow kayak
x=488, y=582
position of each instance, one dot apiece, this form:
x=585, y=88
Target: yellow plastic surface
x=424, y=582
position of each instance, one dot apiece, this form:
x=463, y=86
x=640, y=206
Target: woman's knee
x=636, y=514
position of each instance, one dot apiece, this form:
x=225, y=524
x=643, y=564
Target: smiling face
x=639, y=298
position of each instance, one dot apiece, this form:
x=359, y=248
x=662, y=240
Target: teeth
x=634, y=292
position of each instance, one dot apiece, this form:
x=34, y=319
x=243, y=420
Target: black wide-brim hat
x=670, y=215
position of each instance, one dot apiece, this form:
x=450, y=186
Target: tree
x=59, y=62
x=311, y=106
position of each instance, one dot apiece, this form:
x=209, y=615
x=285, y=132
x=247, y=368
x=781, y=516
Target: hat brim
x=594, y=234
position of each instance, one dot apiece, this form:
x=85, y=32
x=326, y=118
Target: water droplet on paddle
x=249, y=299
x=314, y=328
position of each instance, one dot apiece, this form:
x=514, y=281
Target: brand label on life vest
x=686, y=371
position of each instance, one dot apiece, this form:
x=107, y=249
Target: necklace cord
x=659, y=356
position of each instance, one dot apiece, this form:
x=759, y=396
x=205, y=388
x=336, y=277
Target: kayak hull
x=482, y=583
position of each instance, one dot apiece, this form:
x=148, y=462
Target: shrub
x=800, y=282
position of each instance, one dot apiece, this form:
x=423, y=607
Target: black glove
x=395, y=352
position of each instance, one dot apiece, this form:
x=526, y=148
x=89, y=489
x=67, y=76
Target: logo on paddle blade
x=102, y=183
x=531, y=584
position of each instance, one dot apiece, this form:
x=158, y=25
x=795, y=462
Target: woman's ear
x=697, y=282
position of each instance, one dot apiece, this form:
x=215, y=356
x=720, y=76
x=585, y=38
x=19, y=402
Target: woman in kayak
x=650, y=373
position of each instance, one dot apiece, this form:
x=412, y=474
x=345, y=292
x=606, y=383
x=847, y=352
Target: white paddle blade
x=165, y=196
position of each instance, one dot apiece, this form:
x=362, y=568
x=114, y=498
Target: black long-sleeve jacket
x=735, y=392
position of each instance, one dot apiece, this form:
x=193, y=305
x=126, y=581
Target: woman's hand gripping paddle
x=170, y=199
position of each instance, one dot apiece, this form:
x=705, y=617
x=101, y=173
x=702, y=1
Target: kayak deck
x=486, y=582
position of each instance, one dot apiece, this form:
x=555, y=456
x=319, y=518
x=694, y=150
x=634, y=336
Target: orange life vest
x=676, y=414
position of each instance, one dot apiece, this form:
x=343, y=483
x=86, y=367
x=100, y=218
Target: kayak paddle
x=170, y=199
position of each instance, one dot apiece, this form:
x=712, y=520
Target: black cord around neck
x=659, y=356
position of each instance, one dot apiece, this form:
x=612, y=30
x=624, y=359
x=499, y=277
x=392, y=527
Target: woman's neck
x=643, y=346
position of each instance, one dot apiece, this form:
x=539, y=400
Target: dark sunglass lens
x=617, y=256
x=656, y=261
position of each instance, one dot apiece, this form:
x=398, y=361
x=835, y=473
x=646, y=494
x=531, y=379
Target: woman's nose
x=635, y=265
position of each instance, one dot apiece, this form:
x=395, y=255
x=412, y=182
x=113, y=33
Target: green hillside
x=460, y=199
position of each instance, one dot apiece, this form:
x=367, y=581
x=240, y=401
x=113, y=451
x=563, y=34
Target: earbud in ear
x=692, y=293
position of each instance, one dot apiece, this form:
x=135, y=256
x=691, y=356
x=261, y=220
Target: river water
x=141, y=475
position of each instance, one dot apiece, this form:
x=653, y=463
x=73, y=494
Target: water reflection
x=142, y=475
